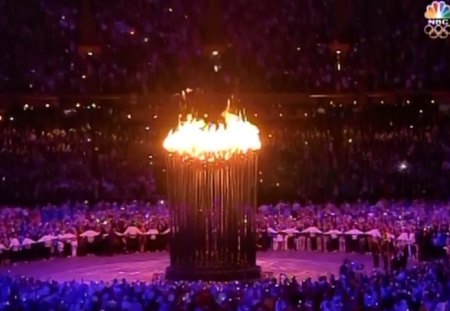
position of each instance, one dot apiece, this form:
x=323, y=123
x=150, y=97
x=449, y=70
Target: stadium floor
x=147, y=266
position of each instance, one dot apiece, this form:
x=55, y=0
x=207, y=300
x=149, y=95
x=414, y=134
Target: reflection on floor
x=144, y=267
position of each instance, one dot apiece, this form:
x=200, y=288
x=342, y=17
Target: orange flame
x=194, y=137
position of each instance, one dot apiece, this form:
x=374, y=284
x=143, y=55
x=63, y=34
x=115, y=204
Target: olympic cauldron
x=212, y=182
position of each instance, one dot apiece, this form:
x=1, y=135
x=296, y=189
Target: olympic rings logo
x=441, y=31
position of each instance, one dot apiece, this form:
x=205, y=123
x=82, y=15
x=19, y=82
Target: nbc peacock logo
x=438, y=16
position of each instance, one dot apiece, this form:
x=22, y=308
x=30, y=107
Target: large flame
x=194, y=137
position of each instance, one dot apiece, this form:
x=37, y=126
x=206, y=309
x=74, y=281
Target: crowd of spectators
x=419, y=229
x=396, y=287
x=344, y=153
x=59, y=229
x=349, y=154
x=422, y=287
x=363, y=162
x=52, y=158
x=160, y=46
x=288, y=42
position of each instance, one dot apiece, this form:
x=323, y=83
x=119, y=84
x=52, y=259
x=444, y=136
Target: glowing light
x=403, y=166
x=338, y=60
x=194, y=137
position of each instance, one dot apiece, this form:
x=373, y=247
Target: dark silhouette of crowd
x=160, y=45
x=317, y=153
x=348, y=153
x=50, y=156
x=423, y=287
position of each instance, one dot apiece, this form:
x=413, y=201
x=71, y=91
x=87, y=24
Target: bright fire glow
x=194, y=137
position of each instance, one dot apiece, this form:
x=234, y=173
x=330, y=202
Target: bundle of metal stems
x=212, y=205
